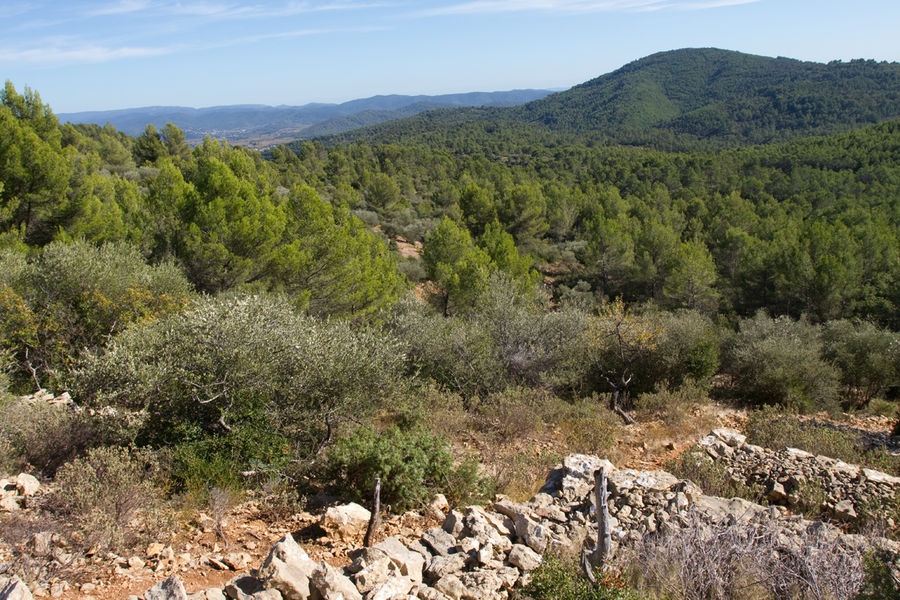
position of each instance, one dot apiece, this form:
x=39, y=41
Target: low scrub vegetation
x=772, y=429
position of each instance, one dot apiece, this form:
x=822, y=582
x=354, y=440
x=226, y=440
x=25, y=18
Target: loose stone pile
x=788, y=477
x=483, y=553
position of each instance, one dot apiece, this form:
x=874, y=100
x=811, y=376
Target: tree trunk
x=375, y=517
x=614, y=406
x=604, y=538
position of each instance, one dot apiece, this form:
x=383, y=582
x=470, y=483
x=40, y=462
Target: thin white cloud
x=80, y=54
x=65, y=51
x=575, y=6
x=233, y=10
x=121, y=8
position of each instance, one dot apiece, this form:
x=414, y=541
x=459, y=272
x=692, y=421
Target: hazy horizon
x=96, y=56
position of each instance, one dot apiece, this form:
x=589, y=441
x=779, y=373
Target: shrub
x=456, y=353
x=76, y=296
x=44, y=437
x=672, y=406
x=778, y=361
x=112, y=498
x=867, y=357
x=880, y=582
x=248, y=373
x=589, y=428
x=688, y=349
x=535, y=346
x=735, y=560
x=713, y=477
x=413, y=465
x=558, y=579
x=507, y=338
x=772, y=429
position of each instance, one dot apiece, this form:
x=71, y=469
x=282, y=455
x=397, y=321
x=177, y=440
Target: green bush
x=880, y=582
x=558, y=579
x=506, y=338
x=247, y=369
x=712, y=477
x=688, y=349
x=76, y=296
x=44, y=437
x=112, y=497
x=453, y=352
x=779, y=361
x=413, y=465
x=867, y=357
x=671, y=405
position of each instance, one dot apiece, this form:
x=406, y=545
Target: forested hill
x=248, y=123
x=697, y=98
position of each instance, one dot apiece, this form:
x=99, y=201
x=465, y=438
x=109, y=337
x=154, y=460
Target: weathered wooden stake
x=604, y=535
x=375, y=517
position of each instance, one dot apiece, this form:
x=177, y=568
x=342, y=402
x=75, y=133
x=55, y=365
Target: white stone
x=27, y=485
x=732, y=437
x=409, y=563
x=287, y=569
x=332, y=584
x=393, y=587
x=524, y=558
x=167, y=589
x=347, y=522
x=879, y=477
x=13, y=588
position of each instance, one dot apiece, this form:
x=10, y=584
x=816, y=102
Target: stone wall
x=482, y=553
x=793, y=478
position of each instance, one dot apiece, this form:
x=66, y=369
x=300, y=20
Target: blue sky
x=89, y=55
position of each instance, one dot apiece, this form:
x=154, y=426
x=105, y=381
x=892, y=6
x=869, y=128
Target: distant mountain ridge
x=247, y=121
x=699, y=97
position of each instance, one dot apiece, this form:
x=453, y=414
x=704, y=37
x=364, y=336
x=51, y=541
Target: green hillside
x=698, y=98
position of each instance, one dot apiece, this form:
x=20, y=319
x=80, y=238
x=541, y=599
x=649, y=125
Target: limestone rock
x=732, y=437
x=42, y=543
x=453, y=523
x=450, y=586
x=439, y=541
x=844, y=511
x=393, y=587
x=524, y=558
x=408, y=562
x=372, y=568
x=9, y=504
x=243, y=587
x=347, y=522
x=237, y=561
x=167, y=589
x=429, y=593
x=332, y=584
x=13, y=588
x=481, y=585
x=777, y=495
x=444, y=565
x=879, y=477
x=535, y=535
x=287, y=569
x=437, y=508
x=27, y=485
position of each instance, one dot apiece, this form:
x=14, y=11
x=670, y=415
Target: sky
x=89, y=55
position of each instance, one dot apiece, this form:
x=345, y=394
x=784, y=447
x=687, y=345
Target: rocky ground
x=474, y=552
